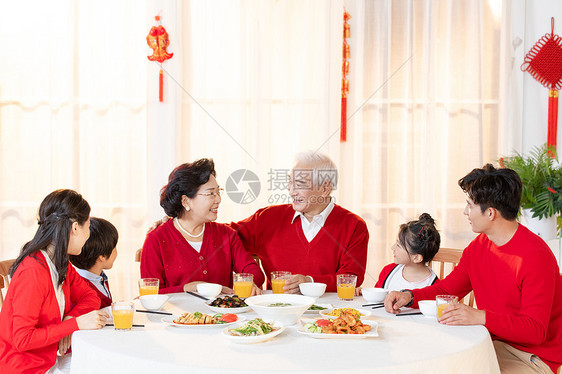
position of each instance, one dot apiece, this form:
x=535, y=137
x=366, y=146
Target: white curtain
x=250, y=84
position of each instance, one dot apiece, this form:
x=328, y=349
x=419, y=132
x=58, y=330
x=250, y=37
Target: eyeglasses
x=213, y=195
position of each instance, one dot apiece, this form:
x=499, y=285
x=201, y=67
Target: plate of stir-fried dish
x=199, y=319
x=253, y=331
x=346, y=326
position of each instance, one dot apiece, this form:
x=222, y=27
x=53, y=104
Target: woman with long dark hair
x=47, y=300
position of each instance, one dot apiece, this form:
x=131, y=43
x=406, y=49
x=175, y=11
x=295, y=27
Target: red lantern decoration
x=345, y=72
x=158, y=40
x=544, y=63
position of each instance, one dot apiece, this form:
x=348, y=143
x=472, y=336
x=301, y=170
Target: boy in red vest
x=98, y=254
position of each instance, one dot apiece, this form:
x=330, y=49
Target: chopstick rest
x=154, y=312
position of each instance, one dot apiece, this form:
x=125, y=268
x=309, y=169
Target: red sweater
x=166, y=255
x=339, y=248
x=518, y=285
x=30, y=320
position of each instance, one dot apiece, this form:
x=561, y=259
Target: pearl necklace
x=187, y=232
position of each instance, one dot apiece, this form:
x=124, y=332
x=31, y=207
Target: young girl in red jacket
x=47, y=300
x=417, y=243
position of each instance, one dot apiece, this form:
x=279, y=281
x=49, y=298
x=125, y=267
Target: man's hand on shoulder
x=158, y=223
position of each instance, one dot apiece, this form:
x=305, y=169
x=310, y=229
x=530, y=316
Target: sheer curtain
x=73, y=114
x=250, y=84
x=425, y=87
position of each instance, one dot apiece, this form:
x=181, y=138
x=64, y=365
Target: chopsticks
x=155, y=312
x=375, y=305
x=111, y=324
x=197, y=295
x=408, y=314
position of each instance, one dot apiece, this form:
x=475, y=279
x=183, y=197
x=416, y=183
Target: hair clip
x=420, y=231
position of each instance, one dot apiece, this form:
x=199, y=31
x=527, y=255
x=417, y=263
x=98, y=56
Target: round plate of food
x=253, y=331
x=334, y=313
x=228, y=304
x=314, y=328
x=197, y=319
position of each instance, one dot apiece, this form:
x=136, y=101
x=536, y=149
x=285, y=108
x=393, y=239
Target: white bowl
x=374, y=295
x=153, y=302
x=287, y=315
x=312, y=289
x=428, y=308
x=209, y=290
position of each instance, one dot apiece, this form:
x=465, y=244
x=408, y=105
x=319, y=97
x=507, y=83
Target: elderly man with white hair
x=313, y=238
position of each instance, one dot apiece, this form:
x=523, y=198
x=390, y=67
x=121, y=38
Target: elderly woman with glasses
x=191, y=248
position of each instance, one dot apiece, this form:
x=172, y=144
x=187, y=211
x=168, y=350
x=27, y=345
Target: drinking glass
x=243, y=284
x=278, y=279
x=443, y=301
x=123, y=312
x=148, y=286
x=346, y=286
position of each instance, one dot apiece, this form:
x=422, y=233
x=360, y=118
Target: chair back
x=4, y=277
x=446, y=260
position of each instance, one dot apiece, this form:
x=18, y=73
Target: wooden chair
x=4, y=279
x=449, y=258
x=138, y=254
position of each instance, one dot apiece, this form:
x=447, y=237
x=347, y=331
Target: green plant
x=541, y=175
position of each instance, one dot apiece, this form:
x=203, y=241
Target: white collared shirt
x=97, y=280
x=312, y=228
x=59, y=294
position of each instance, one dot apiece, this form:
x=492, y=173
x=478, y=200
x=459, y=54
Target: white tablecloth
x=406, y=344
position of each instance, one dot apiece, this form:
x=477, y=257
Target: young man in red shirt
x=313, y=238
x=514, y=275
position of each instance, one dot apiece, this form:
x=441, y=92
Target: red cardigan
x=518, y=285
x=339, y=248
x=30, y=320
x=166, y=255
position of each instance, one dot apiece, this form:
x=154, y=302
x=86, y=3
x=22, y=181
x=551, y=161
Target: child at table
x=98, y=254
x=417, y=243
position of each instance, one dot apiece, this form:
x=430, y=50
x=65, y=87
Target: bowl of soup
x=285, y=308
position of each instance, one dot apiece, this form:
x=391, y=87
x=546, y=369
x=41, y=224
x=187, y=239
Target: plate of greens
x=253, y=331
x=317, y=308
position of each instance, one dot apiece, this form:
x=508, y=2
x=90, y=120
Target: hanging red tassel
x=544, y=63
x=343, y=130
x=346, y=54
x=552, y=117
x=158, y=40
x=161, y=86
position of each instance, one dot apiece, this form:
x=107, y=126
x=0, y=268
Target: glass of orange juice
x=278, y=279
x=148, y=286
x=346, y=286
x=444, y=301
x=123, y=312
x=243, y=283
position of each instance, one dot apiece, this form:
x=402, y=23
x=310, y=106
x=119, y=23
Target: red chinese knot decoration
x=345, y=72
x=544, y=63
x=158, y=40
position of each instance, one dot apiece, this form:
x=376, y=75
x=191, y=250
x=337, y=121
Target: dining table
x=404, y=344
